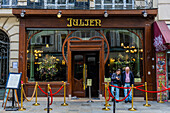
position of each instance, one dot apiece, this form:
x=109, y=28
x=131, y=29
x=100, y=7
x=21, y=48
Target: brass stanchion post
x=132, y=109
x=107, y=94
x=45, y=109
x=160, y=85
x=64, y=104
x=106, y=104
x=22, y=108
x=36, y=104
x=147, y=105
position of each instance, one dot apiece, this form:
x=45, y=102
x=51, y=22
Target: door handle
x=84, y=77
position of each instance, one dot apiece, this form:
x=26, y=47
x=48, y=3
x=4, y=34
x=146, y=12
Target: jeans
x=117, y=91
x=126, y=92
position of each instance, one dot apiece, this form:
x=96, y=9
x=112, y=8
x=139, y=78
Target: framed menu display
x=13, y=80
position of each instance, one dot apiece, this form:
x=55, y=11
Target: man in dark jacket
x=127, y=81
x=116, y=81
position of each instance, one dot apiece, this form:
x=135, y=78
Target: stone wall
x=10, y=25
x=163, y=10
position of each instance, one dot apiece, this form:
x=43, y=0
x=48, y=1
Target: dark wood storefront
x=117, y=19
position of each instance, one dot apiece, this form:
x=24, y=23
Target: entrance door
x=85, y=65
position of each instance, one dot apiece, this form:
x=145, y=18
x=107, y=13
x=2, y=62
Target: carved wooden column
x=22, y=49
x=149, y=54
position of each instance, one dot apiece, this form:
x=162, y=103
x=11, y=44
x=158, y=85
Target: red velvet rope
x=121, y=87
x=121, y=99
x=165, y=87
x=42, y=90
x=140, y=86
x=51, y=97
x=105, y=97
x=52, y=94
x=58, y=90
x=125, y=87
x=152, y=91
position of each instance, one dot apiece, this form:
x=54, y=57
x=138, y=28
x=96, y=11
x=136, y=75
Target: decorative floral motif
x=48, y=68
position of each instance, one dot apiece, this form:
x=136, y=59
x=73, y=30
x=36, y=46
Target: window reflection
x=44, y=58
x=125, y=50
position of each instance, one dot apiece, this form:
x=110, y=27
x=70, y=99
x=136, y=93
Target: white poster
x=13, y=81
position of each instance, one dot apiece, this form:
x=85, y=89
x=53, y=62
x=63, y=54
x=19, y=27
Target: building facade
x=9, y=45
x=72, y=41
x=162, y=41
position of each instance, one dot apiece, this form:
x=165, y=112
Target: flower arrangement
x=48, y=68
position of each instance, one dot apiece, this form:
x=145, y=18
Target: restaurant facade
x=77, y=41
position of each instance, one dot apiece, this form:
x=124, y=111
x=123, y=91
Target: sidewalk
x=81, y=106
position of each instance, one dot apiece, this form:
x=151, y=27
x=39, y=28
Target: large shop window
x=44, y=56
x=125, y=50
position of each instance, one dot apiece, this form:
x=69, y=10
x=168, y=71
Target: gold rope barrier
x=32, y=94
x=64, y=104
x=45, y=109
x=132, y=109
x=160, y=85
x=107, y=95
x=106, y=104
x=22, y=108
x=147, y=105
x=36, y=104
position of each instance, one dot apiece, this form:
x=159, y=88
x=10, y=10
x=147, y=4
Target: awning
x=161, y=36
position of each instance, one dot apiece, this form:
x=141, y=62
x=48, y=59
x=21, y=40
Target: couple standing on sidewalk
x=124, y=79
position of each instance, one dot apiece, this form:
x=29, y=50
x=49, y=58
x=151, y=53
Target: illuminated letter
x=87, y=22
x=70, y=21
x=75, y=22
x=81, y=23
x=98, y=22
x=91, y=22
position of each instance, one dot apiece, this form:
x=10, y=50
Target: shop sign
x=83, y=22
x=89, y=82
x=107, y=79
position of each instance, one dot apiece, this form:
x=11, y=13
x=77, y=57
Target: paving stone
x=81, y=106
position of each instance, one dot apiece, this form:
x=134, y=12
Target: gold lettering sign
x=83, y=22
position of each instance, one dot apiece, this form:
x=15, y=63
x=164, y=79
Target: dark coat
x=114, y=80
x=131, y=76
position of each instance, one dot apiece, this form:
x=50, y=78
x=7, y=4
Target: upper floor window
x=9, y=2
x=114, y=4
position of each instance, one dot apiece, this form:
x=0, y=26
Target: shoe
x=130, y=101
x=117, y=102
x=112, y=99
x=126, y=101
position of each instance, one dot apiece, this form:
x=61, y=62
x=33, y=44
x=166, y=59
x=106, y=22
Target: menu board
x=13, y=81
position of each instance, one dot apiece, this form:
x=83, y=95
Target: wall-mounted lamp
x=59, y=14
x=22, y=13
x=145, y=14
x=106, y=14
